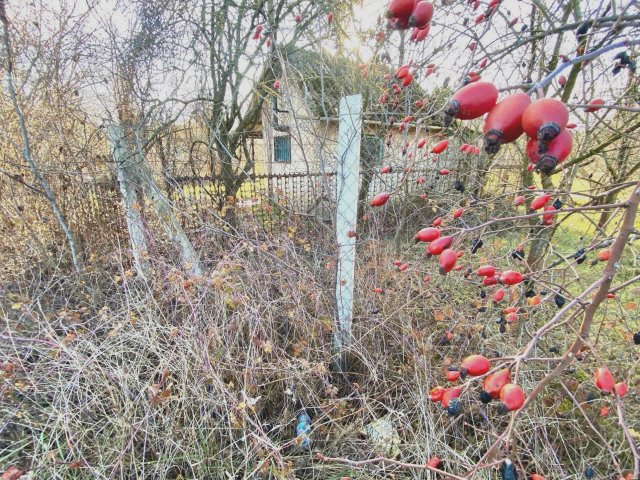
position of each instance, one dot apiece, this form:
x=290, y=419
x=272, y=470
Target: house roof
x=323, y=78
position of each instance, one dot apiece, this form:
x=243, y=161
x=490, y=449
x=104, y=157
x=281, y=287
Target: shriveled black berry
x=454, y=407
x=476, y=244
x=483, y=294
x=589, y=473
x=583, y=29
x=554, y=349
x=530, y=293
x=485, y=397
x=557, y=204
x=459, y=186
x=482, y=309
x=636, y=338
x=503, y=328
x=623, y=58
x=580, y=256
x=518, y=254
x=559, y=299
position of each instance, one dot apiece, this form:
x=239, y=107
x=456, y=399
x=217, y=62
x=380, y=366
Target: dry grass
x=120, y=378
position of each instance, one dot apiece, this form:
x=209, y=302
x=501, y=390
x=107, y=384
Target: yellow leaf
x=16, y=306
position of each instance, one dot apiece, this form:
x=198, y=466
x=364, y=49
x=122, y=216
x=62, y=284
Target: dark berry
x=588, y=473
x=476, y=244
x=483, y=294
x=454, y=406
x=518, y=254
x=485, y=397
x=459, y=186
x=583, y=29
x=530, y=293
x=503, y=328
x=580, y=255
x=557, y=204
x=636, y=338
x=559, y=299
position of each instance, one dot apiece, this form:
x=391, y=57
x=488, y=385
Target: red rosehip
x=492, y=384
x=555, y=152
x=447, y=260
x=428, y=234
x=512, y=397
x=504, y=122
x=380, y=199
x=439, y=245
x=594, y=105
x=511, y=277
x=475, y=365
x=604, y=380
x=472, y=101
x=421, y=15
x=544, y=119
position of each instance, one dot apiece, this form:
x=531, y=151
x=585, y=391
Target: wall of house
x=313, y=143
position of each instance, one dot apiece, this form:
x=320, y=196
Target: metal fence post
x=348, y=174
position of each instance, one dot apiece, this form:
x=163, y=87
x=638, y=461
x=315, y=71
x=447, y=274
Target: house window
x=282, y=149
x=372, y=150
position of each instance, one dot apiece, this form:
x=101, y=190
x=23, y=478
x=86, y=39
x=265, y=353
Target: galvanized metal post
x=348, y=175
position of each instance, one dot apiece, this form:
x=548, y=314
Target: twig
x=390, y=461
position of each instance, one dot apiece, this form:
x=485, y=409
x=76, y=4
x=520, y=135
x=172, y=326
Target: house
x=300, y=120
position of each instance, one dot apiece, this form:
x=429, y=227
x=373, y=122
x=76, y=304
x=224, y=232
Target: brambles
x=262, y=336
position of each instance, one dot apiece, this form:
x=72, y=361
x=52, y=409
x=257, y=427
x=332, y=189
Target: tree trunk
x=542, y=238
x=164, y=210
x=26, y=146
x=126, y=165
x=167, y=176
